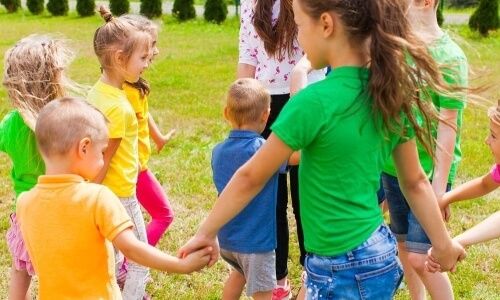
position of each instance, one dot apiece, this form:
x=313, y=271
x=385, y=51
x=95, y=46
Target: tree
x=85, y=8
x=485, y=18
x=11, y=5
x=151, y=8
x=439, y=15
x=58, y=7
x=184, y=10
x=119, y=7
x=35, y=6
x=215, y=11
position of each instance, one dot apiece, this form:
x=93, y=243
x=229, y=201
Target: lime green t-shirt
x=121, y=177
x=18, y=141
x=343, y=150
x=447, y=53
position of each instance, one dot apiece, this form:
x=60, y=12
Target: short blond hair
x=62, y=123
x=34, y=74
x=247, y=99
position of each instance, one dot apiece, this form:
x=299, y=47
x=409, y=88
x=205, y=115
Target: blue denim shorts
x=370, y=271
x=404, y=224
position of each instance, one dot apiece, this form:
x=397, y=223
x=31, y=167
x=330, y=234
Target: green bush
x=119, y=7
x=11, y=5
x=58, y=7
x=85, y=8
x=184, y=10
x=485, y=18
x=215, y=11
x=35, y=6
x=151, y=8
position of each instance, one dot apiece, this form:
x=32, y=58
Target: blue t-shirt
x=253, y=230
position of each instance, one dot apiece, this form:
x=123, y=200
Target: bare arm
x=472, y=189
x=245, y=71
x=422, y=200
x=147, y=255
x=487, y=230
x=446, y=139
x=294, y=159
x=113, y=145
x=247, y=182
x=298, y=79
x=155, y=133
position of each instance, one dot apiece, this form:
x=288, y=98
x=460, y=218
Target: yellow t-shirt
x=67, y=225
x=140, y=106
x=121, y=177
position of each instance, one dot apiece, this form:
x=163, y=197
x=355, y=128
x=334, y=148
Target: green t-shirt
x=343, y=151
x=18, y=141
x=447, y=53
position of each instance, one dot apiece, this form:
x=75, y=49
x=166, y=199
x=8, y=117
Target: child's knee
x=417, y=262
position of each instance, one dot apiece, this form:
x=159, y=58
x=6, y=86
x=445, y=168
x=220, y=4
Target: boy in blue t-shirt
x=248, y=241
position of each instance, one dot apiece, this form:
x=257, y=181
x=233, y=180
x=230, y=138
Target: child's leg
x=19, y=288
x=262, y=295
x=22, y=268
x=417, y=244
x=135, y=282
x=234, y=286
x=153, y=198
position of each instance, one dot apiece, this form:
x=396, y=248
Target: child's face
x=94, y=160
x=310, y=36
x=154, y=45
x=137, y=63
x=493, y=141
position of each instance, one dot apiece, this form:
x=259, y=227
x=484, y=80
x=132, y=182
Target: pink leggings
x=153, y=198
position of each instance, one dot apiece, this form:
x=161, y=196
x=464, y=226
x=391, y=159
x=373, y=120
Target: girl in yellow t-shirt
x=149, y=191
x=123, y=52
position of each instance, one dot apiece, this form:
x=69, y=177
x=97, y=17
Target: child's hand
x=197, y=260
x=448, y=257
x=445, y=208
x=160, y=143
x=196, y=243
x=430, y=264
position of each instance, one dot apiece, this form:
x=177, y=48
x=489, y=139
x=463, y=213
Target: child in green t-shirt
x=34, y=75
x=346, y=127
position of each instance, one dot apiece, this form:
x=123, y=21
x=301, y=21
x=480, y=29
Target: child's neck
x=247, y=127
x=114, y=81
x=59, y=166
x=427, y=27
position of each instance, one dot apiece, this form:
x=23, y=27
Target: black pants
x=277, y=103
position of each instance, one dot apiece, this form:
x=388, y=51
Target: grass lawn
x=189, y=78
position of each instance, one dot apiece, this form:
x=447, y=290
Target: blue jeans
x=370, y=271
x=404, y=224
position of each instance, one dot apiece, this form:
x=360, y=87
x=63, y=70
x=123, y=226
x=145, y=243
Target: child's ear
x=265, y=115
x=226, y=116
x=119, y=57
x=83, y=147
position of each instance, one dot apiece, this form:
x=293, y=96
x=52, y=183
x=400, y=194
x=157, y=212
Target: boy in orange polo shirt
x=69, y=224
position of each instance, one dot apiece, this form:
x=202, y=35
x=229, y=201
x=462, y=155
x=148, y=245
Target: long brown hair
x=278, y=39
x=396, y=85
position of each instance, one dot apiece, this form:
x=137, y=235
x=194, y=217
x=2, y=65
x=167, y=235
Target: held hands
x=445, y=208
x=196, y=261
x=197, y=242
x=445, y=259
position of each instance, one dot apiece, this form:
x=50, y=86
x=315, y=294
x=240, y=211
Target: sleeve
x=111, y=217
x=455, y=73
x=116, y=126
x=495, y=173
x=301, y=120
x=247, y=53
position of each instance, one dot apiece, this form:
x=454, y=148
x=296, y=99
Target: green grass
x=189, y=79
